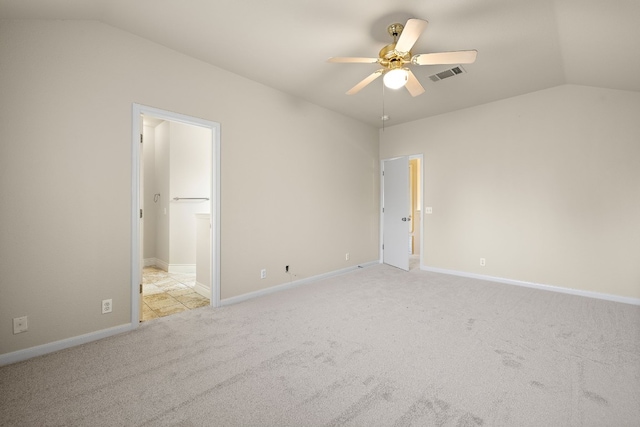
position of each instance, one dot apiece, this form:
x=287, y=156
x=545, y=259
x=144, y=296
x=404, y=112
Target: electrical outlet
x=20, y=324
x=107, y=306
x=483, y=262
x=263, y=273
x=428, y=210
x=346, y=256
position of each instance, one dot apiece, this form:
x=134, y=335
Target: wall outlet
x=20, y=324
x=428, y=210
x=483, y=262
x=107, y=306
x=263, y=273
x=346, y=256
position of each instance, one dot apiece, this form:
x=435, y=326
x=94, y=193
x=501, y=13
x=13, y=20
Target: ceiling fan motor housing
x=391, y=58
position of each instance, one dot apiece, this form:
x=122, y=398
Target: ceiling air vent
x=447, y=73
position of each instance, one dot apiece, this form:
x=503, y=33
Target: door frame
x=421, y=180
x=136, y=267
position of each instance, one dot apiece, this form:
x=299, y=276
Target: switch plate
x=428, y=210
x=263, y=273
x=107, y=306
x=20, y=324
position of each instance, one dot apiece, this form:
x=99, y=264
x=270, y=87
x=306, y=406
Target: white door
x=396, y=214
x=141, y=223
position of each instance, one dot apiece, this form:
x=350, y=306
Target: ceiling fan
x=395, y=57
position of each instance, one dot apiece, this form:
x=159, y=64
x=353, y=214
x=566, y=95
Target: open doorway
x=415, y=202
x=176, y=257
x=401, y=212
x=176, y=195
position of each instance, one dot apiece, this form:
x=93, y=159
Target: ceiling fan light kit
x=395, y=79
x=396, y=57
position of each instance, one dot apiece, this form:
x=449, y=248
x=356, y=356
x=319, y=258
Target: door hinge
x=141, y=138
x=141, y=213
x=140, y=287
x=383, y=246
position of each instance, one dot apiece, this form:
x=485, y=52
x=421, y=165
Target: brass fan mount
x=395, y=30
x=390, y=58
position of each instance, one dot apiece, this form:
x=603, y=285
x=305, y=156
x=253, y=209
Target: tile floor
x=165, y=293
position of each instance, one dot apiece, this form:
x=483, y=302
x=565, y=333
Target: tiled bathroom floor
x=165, y=293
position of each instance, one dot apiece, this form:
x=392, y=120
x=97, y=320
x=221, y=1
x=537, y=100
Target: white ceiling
x=523, y=45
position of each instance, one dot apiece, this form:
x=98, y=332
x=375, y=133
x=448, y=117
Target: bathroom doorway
x=176, y=266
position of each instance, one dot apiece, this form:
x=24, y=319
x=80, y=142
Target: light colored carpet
x=375, y=347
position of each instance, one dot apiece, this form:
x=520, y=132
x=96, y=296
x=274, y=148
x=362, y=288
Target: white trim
x=162, y=265
x=579, y=292
x=28, y=353
x=293, y=284
x=182, y=268
x=202, y=290
x=136, y=131
x=137, y=110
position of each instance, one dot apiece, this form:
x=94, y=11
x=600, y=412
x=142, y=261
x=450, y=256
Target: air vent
x=447, y=73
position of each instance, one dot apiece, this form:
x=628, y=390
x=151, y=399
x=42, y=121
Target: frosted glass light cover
x=395, y=79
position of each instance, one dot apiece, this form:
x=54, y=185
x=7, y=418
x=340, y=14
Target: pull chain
x=383, y=115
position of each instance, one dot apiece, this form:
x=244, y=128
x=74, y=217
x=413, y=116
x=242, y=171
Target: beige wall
x=151, y=207
x=299, y=183
x=545, y=186
x=190, y=176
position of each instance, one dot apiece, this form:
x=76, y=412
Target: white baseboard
x=182, y=268
x=171, y=268
x=161, y=265
x=149, y=262
x=203, y=290
x=28, y=353
x=579, y=292
x=293, y=284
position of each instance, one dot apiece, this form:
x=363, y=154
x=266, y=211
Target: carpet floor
x=374, y=347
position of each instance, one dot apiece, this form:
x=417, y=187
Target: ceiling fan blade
x=413, y=85
x=364, y=82
x=410, y=34
x=353, y=60
x=445, y=58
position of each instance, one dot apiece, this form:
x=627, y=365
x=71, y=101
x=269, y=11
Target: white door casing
x=136, y=224
x=141, y=221
x=395, y=212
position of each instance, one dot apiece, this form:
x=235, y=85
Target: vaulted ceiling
x=523, y=45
